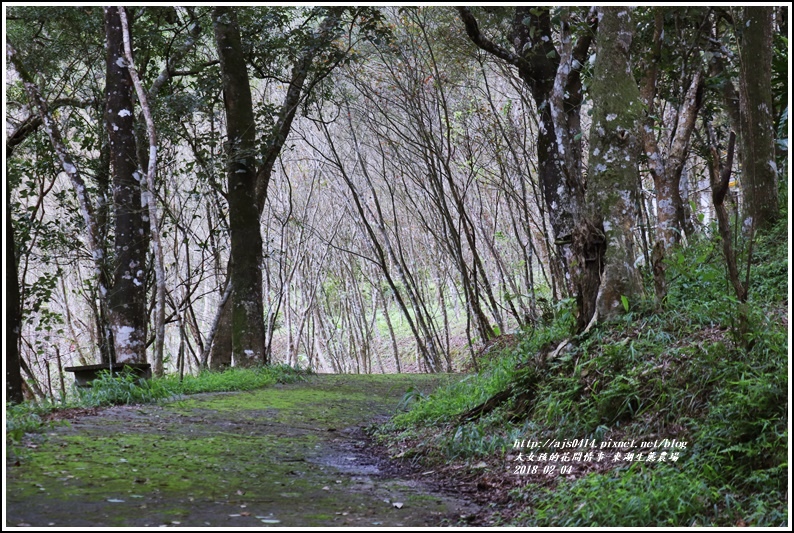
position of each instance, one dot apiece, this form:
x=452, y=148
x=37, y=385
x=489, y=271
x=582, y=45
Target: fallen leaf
x=114, y=500
x=398, y=505
x=481, y=464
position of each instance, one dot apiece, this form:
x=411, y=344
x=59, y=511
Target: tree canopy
x=370, y=189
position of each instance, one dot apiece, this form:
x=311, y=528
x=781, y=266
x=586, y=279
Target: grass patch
x=24, y=418
x=234, y=379
x=123, y=388
x=632, y=497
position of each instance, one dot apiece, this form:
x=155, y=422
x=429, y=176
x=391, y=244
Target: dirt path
x=290, y=455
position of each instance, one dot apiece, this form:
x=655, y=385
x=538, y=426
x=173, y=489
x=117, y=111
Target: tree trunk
x=221, y=343
x=13, y=318
x=667, y=172
x=248, y=326
x=147, y=183
x=613, y=174
x=127, y=299
x=757, y=125
x=554, y=80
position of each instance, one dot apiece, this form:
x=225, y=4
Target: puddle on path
x=287, y=456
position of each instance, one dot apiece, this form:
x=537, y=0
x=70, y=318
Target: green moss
x=228, y=459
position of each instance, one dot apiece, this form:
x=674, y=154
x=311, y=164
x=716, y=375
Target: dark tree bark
x=719, y=176
x=248, y=326
x=756, y=120
x=148, y=199
x=553, y=78
x=13, y=316
x=235, y=75
x=127, y=298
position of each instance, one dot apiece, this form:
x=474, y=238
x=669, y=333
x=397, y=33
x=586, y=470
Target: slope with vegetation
x=694, y=372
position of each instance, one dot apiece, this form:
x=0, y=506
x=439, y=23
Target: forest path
x=288, y=455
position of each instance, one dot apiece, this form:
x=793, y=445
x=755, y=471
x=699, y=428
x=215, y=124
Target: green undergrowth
x=704, y=370
x=235, y=379
x=124, y=389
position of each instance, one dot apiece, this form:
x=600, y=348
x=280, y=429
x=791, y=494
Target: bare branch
x=476, y=36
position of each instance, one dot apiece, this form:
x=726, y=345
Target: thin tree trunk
x=389, y=325
x=61, y=381
x=720, y=175
x=13, y=315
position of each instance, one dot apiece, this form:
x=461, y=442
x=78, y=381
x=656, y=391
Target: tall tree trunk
x=147, y=183
x=757, y=124
x=614, y=171
x=667, y=171
x=234, y=72
x=248, y=326
x=13, y=315
x=554, y=80
x=127, y=299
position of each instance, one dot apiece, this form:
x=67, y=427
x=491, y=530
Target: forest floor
x=289, y=455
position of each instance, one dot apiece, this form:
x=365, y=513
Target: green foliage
x=704, y=365
x=634, y=497
x=769, y=275
x=123, y=388
x=744, y=436
x=472, y=440
x=234, y=379
x=22, y=418
x=448, y=401
x=411, y=395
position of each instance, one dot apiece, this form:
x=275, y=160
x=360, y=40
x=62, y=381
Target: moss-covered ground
x=288, y=455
